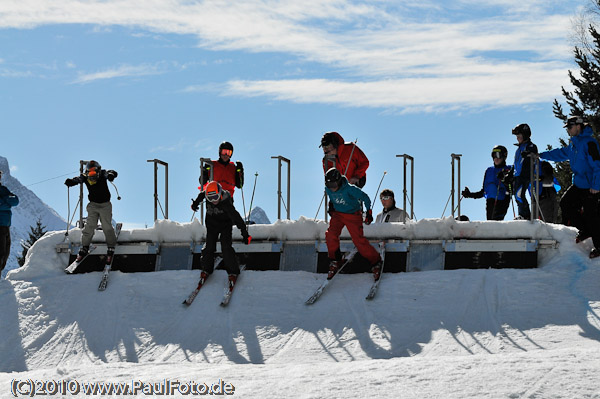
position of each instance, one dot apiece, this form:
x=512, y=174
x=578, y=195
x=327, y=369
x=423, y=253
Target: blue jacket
x=522, y=164
x=583, y=153
x=492, y=187
x=7, y=201
x=348, y=198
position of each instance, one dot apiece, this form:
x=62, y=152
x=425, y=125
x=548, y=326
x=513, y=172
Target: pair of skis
x=107, y=267
x=226, y=295
x=347, y=259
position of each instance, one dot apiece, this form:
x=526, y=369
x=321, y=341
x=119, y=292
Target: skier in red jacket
x=228, y=174
x=345, y=157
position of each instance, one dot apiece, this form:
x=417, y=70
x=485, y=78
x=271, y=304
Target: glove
x=71, y=182
x=331, y=209
x=239, y=174
x=467, y=193
x=110, y=175
x=506, y=177
x=525, y=154
x=369, y=217
x=246, y=238
x=195, y=205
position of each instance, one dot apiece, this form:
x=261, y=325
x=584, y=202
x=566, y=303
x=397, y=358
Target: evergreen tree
x=36, y=232
x=585, y=98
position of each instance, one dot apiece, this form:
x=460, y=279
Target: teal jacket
x=348, y=198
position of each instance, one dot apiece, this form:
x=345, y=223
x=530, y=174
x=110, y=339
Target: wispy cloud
x=120, y=72
x=383, y=54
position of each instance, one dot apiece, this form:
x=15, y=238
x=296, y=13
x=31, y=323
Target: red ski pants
x=354, y=224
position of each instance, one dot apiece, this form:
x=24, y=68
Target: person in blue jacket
x=521, y=168
x=497, y=195
x=346, y=210
x=579, y=204
x=7, y=201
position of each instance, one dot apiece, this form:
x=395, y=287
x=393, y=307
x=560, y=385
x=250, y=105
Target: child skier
x=221, y=215
x=347, y=200
x=95, y=178
x=496, y=193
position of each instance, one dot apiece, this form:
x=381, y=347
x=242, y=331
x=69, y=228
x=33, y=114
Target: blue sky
x=123, y=82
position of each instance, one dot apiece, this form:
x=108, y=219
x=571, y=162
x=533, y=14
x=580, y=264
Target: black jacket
x=98, y=191
x=223, y=215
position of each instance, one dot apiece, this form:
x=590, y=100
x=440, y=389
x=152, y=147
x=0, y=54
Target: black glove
x=525, y=154
x=71, y=182
x=246, y=238
x=467, y=193
x=239, y=174
x=369, y=217
x=110, y=175
x=331, y=209
x=195, y=204
x=506, y=177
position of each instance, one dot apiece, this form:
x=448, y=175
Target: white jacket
x=392, y=215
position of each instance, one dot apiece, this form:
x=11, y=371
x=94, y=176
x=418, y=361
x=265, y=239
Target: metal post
x=81, y=164
x=412, y=185
x=534, y=176
x=329, y=163
x=205, y=161
x=166, y=165
x=279, y=198
x=455, y=157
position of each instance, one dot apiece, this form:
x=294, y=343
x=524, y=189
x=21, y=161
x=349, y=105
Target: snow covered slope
x=439, y=334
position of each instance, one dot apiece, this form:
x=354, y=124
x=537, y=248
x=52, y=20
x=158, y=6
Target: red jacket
x=224, y=174
x=358, y=164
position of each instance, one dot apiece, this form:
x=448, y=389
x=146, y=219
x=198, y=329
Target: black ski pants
x=496, y=209
x=207, y=257
x=4, y=245
x=580, y=209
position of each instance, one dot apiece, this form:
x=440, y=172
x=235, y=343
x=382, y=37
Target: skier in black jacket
x=221, y=215
x=95, y=179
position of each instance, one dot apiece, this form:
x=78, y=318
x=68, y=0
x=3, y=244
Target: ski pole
x=243, y=201
x=379, y=186
x=318, y=210
x=350, y=157
x=68, y=210
x=118, y=196
x=252, y=199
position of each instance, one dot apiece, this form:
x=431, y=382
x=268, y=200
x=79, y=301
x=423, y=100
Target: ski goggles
x=227, y=152
x=92, y=173
x=386, y=197
x=213, y=196
x=497, y=154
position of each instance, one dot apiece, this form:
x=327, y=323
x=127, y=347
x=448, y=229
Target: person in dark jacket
x=521, y=168
x=348, y=200
x=497, y=195
x=99, y=207
x=221, y=215
x=228, y=174
x=579, y=204
x=345, y=157
x=7, y=201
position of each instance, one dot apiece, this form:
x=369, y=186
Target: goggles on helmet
x=227, y=152
x=93, y=173
x=497, y=154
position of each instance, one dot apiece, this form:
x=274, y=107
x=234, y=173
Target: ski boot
x=376, y=270
x=232, y=280
x=594, y=253
x=83, y=251
x=110, y=253
x=581, y=237
x=334, y=266
x=203, y=277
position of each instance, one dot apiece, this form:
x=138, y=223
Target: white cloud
x=424, y=46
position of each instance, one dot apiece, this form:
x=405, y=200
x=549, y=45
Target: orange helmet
x=213, y=192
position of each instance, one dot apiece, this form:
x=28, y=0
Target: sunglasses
x=227, y=152
x=386, y=197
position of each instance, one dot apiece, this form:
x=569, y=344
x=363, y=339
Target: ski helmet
x=329, y=138
x=333, y=178
x=92, y=170
x=226, y=145
x=522, y=129
x=575, y=120
x=213, y=192
x=499, y=151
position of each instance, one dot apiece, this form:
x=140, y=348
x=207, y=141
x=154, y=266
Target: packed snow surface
x=531, y=333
